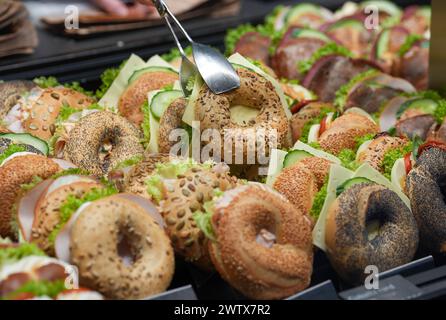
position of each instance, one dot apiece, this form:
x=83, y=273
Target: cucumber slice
x=295, y=156
x=384, y=6
x=26, y=138
x=140, y=72
x=162, y=100
x=383, y=43
x=300, y=9
x=310, y=33
x=426, y=105
x=348, y=23
x=350, y=183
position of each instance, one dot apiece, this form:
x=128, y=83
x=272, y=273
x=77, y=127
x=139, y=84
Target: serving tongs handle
x=165, y=12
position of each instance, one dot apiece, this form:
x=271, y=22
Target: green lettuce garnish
x=270, y=19
x=12, y=148
x=13, y=254
x=204, y=219
x=348, y=159
x=46, y=82
x=328, y=49
x=71, y=171
x=72, y=203
x=29, y=186
x=51, y=82
x=175, y=54
x=440, y=111
x=128, y=162
x=409, y=43
x=342, y=93
x=348, y=156
x=392, y=156
x=107, y=78
x=39, y=289
x=362, y=139
x=66, y=111
x=316, y=120
x=318, y=201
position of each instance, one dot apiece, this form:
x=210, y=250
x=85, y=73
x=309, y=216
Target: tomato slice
x=295, y=108
x=408, y=162
x=323, y=126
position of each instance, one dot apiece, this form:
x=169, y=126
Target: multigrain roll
x=184, y=204
x=102, y=140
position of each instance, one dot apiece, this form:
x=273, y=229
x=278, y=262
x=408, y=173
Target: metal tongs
x=214, y=68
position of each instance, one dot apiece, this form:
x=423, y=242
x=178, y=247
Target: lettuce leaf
x=51, y=82
x=391, y=156
x=318, y=201
x=348, y=156
x=12, y=148
x=329, y=49
x=72, y=203
x=12, y=254
x=409, y=43
x=128, y=162
x=28, y=186
x=204, y=219
x=175, y=54
x=270, y=19
x=107, y=78
x=66, y=111
x=39, y=289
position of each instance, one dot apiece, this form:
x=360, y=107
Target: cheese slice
x=299, y=145
x=337, y=176
x=366, y=171
x=277, y=157
x=275, y=165
x=154, y=126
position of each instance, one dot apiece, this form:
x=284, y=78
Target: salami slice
x=414, y=65
x=331, y=72
x=372, y=93
x=255, y=46
x=290, y=53
x=415, y=126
